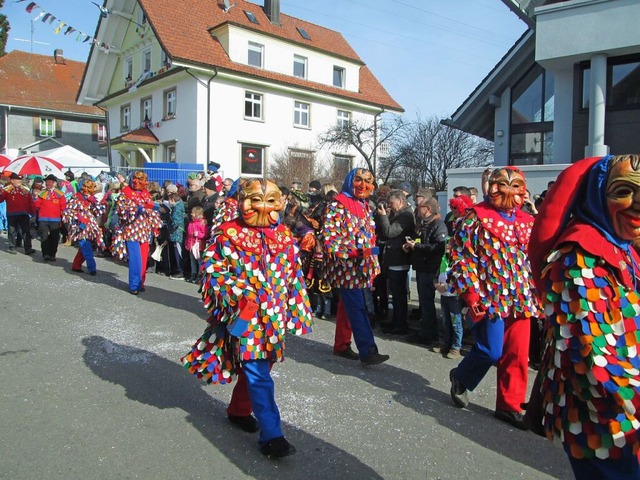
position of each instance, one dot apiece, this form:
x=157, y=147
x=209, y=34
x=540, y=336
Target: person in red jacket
x=50, y=204
x=19, y=210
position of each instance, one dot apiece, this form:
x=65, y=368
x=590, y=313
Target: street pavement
x=92, y=388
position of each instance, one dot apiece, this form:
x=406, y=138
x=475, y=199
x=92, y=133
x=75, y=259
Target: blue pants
x=4, y=223
x=451, y=321
x=85, y=253
x=489, y=337
x=136, y=266
x=354, y=303
x=626, y=468
x=263, y=400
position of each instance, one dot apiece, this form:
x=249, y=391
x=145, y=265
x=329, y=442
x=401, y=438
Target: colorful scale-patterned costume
x=488, y=258
x=136, y=224
x=81, y=210
x=591, y=382
x=238, y=261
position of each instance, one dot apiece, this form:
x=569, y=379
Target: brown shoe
x=348, y=354
x=452, y=354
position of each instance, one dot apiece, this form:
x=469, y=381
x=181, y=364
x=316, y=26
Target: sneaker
x=517, y=419
x=133, y=292
x=246, y=424
x=176, y=276
x=458, y=392
x=348, y=354
x=452, y=354
x=277, y=448
x=374, y=358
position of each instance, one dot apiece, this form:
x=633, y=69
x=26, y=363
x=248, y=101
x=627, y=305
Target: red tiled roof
x=184, y=35
x=140, y=135
x=37, y=81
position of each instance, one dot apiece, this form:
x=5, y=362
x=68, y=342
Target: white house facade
x=233, y=86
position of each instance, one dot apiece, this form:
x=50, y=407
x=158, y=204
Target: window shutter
x=58, y=132
x=94, y=132
x=36, y=126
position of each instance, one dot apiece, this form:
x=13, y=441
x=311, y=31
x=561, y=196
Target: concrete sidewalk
x=92, y=388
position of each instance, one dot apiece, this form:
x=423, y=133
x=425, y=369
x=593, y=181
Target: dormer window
x=299, y=66
x=338, y=77
x=146, y=60
x=255, y=54
x=128, y=69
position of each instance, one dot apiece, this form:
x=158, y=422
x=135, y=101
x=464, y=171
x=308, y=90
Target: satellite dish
x=227, y=5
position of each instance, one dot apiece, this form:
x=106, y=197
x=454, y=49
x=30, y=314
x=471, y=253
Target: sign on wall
x=252, y=160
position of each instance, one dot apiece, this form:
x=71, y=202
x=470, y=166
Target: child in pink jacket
x=196, y=236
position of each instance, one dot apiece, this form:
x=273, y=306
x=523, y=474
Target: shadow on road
x=415, y=392
x=155, y=381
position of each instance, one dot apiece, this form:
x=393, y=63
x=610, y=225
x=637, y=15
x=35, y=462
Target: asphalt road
x=91, y=388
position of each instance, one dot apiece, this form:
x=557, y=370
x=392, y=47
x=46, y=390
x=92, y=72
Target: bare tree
x=295, y=164
x=366, y=137
x=428, y=149
x=4, y=31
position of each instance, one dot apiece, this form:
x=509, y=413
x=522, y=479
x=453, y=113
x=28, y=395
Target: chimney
x=272, y=9
x=58, y=56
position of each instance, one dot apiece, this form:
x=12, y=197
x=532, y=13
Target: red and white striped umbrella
x=35, y=165
x=4, y=161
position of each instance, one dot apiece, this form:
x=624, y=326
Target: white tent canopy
x=74, y=160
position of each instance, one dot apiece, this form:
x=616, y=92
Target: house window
x=532, y=113
x=252, y=106
x=170, y=152
x=344, y=119
x=301, y=114
x=623, y=83
x=342, y=165
x=166, y=61
x=255, y=54
x=299, y=66
x=338, y=76
x=252, y=159
x=146, y=60
x=125, y=118
x=170, y=97
x=142, y=18
x=145, y=110
x=127, y=71
x=47, y=127
x=102, y=133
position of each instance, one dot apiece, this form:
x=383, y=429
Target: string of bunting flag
x=62, y=26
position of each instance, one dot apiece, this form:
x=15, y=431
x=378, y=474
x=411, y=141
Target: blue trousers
x=356, y=307
x=4, y=223
x=263, y=400
x=85, y=253
x=136, y=266
x=451, y=321
x=489, y=337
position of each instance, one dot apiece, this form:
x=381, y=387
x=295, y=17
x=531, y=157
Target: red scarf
x=356, y=207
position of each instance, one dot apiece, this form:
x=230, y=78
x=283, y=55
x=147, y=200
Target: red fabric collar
x=136, y=195
x=498, y=225
x=354, y=206
x=276, y=238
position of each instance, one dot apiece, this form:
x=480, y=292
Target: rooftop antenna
x=32, y=41
x=227, y=5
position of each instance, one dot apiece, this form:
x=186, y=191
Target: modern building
x=38, y=109
x=568, y=89
x=232, y=83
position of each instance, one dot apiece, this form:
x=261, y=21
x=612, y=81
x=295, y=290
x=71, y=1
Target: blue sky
x=428, y=54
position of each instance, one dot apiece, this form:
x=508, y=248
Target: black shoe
x=516, y=419
x=246, y=424
x=395, y=331
x=458, y=391
x=93, y=274
x=142, y=289
x=277, y=448
x=46, y=258
x=348, y=353
x=374, y=358
x=77, y=270
x=29, y=252
x=133, y=292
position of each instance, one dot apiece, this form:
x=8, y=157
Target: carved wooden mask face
x=139, y=181
x=259, y=203
x=623, y=200
x=363, y=184
x=89, y=187
x=507, y=188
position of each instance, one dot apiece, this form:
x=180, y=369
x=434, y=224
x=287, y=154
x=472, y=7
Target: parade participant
x=348, y=234
x=20, y=206
x=50, y=204
x=81, y=217
x=138, y=219
x=254, y=290
x=490, y=271
x=584, y=254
